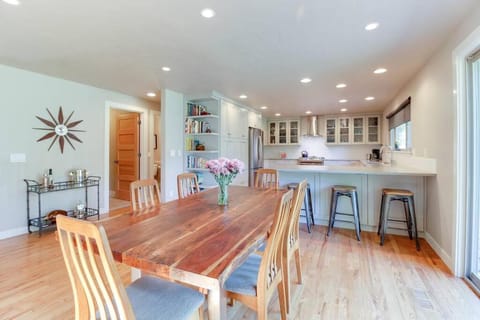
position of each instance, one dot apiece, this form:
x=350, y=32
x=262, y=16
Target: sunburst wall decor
x=60, y=129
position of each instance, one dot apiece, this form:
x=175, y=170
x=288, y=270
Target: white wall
x=315, y=146
x=23, y=96
x=433, y=130
x=172, y=142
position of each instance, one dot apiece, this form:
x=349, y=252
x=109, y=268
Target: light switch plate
x=18, y=157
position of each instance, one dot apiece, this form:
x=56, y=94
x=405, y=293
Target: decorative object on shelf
x=52, y=215
x=61, y=129
x=224, y=171
x=200, y=147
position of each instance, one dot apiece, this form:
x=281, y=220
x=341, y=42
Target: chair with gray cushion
x=255, y=282
x=98, y=290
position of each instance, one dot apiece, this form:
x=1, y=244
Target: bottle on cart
x=50, y=178
x=45, y=180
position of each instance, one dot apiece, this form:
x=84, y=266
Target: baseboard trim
x=439, y=250
x=13, y=232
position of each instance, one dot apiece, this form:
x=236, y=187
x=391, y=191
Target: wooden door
x=127, y=154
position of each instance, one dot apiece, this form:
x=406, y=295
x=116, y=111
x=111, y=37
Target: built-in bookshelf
x=201, y=137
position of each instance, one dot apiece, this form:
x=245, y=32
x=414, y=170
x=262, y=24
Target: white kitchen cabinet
x=254, y=120
x=234, y=121
x=358, y=129
x=283, y=132
x=373, y=129
x=237, y=149
x=331, y=130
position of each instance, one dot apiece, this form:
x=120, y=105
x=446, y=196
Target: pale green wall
x=23, y=95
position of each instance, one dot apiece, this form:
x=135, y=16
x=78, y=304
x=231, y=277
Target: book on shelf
x=196, y=126
x=195, y=109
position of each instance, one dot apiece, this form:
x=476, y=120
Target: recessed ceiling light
x=263, y=107
x=372, y=26
x=12, y=2
x=306, y=80
x=344, y=110
x=151, y=94
x=380, y=70
x=277, y=114
x=308, y=112
x=370, y=98
x=243, y=96
x=208, y=13
x=341, y=85
x=166, y=69
x=343, y=101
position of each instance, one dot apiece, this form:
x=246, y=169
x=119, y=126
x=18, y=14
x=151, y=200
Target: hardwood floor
x=343, y=279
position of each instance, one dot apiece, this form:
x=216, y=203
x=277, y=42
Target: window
x=400, y=127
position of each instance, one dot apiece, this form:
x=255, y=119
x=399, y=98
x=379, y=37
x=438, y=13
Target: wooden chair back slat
x=266, y=178
x=97, y=287
x=270, y=274
x=187, y=184
x=145, y=194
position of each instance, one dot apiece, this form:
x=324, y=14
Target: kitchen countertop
x=351, y=167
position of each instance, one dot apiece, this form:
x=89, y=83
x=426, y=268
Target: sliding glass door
x=473, y=170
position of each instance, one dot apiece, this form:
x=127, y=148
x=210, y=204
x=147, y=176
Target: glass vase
x=222, y=194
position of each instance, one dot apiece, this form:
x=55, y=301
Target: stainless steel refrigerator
x=255, y=153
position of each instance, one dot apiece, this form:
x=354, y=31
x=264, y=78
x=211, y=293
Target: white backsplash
x=315, y=146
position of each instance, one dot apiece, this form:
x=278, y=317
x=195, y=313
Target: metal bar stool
x=406, y=197
x=345, y=191
x=307, y=205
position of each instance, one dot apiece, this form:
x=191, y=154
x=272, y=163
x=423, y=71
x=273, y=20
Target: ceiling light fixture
x=372, y=26
x=341, y=85
x=344, y=110
x=12, y=2
x=243, y=96
x=166, y=69
x=277, y=114
x=207, y=13
x=308, y=112
x=380, y=71
x=263, y=107
x=151, y=94
x=370, y=98
x=343, y=101
x=306, y=80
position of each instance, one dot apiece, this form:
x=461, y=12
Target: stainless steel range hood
x=310, y=126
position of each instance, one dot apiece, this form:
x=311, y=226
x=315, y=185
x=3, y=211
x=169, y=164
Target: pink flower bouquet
x=224, y=171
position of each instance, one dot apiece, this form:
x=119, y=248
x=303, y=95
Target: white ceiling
x=258, y=47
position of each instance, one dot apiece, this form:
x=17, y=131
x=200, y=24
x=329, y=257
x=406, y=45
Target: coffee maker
x=376, y=154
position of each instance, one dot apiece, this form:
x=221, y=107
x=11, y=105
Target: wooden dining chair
x=97, y=287
x=145, y=194
x=266, y=178
x=187, y=184
x=291, y=246
x=255, y=282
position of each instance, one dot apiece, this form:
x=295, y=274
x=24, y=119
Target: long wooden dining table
x=194, y=240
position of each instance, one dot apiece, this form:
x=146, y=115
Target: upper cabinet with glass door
x=352, y=129
x=283, y=132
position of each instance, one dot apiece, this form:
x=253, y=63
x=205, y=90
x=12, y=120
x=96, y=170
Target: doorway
x=473, y=169
x=123, y=156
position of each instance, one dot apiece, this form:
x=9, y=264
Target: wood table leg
x=217, y=302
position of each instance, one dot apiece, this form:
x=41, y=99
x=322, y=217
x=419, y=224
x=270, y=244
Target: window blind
x=400, y=115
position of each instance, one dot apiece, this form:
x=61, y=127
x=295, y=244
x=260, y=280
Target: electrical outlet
x=18, y=157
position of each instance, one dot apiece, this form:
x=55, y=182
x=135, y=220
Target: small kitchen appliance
x=304, y=154
x=375, y=154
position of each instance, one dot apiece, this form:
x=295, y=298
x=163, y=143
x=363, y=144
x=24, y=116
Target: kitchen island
x=369, y=178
